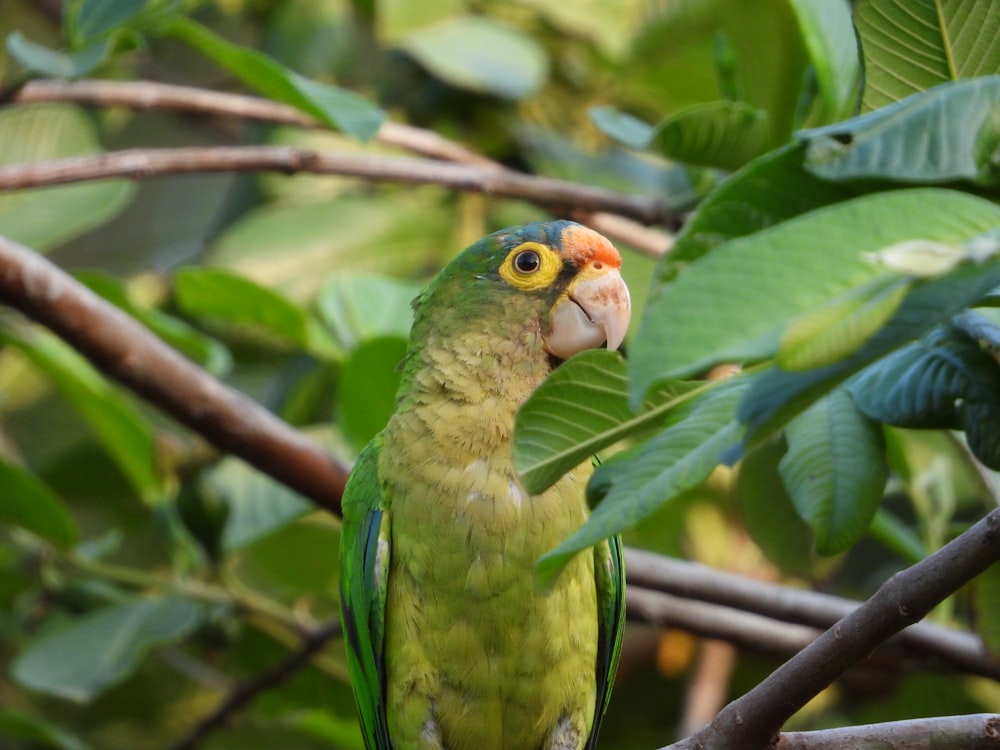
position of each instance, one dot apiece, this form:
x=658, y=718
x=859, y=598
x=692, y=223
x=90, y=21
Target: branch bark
x=123, y=349
x=972, y=732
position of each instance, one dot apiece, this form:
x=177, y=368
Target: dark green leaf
x=479, y=54
x=29, y=503
x=679, y=458
x=986, y=603
x=102, y=648
x=39, y=733
x=366, y=389
x=951, y=132
x=94, y=18
x=834, y=470
x=627, y=130
x=339, y=108
x=723, y=134
x=580, y=409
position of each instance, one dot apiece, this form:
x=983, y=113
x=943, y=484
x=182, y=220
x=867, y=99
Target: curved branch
x=753, y=720
x=147, y=95
x=142, y=163
x=972, y=732
x=123, y=349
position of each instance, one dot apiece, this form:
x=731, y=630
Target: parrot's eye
x=527, y=261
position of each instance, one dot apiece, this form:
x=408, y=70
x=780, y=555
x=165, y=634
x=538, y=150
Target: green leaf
x=94, y=18
x=622, y=127
x=102, y=648
x=336, y=107
x=359, y=306
x=703, y=317
x=835, y=329
x=951, y=132
x=34, y=133
x=722, y=134
x=986, y=608
x=777, y=395
x=49, y=62
x=206, y=351
x=123, y=430
x=225, y=297
x=29, y=503
x=832, y=44
x=37, y=732
x=677, y=459
x=479, y=54
x=912, y=45
x=581, y=408
x=834, y=470
x=258, y=505
x=366, y=389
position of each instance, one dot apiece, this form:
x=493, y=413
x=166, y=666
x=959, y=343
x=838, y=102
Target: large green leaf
x=951, y=132
x=677, y=459
x=123, y=430
x=339, y=108
x=31, y=133
x=366, y=388
x=912, y=45
x=580, y=409
x=734, y=303
x=778, y=395
x=102, y=648
x=479, y=54
x=834, y=470
x=224, y=297
x=358, y=306
x=720, y=134
x=833, y=54
x=29, y=503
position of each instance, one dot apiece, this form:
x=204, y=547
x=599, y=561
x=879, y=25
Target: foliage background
x=144, y=576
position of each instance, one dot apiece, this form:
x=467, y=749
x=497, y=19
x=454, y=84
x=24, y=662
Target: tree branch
x=146, y=95
x=123, y=349
x=753, y=720
x=972, y=732
x=243, y=693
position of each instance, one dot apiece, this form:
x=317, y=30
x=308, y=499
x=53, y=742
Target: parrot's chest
x=476, y=656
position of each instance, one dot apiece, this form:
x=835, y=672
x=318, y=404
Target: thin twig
x=240, y=696
x=123, y=349
x=754, y=720
x=146, y=95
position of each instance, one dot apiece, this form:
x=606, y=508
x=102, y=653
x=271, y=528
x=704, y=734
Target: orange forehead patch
x=583, y=245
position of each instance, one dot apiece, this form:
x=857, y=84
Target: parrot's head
x=566, y=275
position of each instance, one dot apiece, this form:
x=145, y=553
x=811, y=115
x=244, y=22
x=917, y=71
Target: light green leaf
x=722, y=134
x=32, y=133
x=835, y=329
x=94, y=18
x=703, y=317
x=912, y=45
x=224, y=297
x=339, y=108
x=581, y=408
x=29, y=503
x=628, y=130
x=358, y=306
x=951, y=132
x=123, y=430
x=679, y=458
x=833, y=52
x=834, y=470
x=366, y=388
x=102, y=648
x=37, y=732
x=54, y=64
x=479, y=54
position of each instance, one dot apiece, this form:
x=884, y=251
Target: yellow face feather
x=531, y=266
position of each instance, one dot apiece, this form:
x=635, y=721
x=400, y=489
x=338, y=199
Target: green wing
x=609, y=571
x=364, y=566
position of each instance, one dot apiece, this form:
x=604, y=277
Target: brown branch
x=948, y=648
x=972, y=732
x=242, y=694
x=143, y=163
x=126, y=351
x=146, y=95
x=754, y=720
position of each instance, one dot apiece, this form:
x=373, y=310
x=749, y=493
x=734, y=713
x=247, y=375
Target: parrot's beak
x=595, y=309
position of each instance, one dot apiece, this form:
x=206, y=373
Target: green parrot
x=451, y=644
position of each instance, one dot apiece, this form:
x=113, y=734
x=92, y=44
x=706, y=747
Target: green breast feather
x=451, y=645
